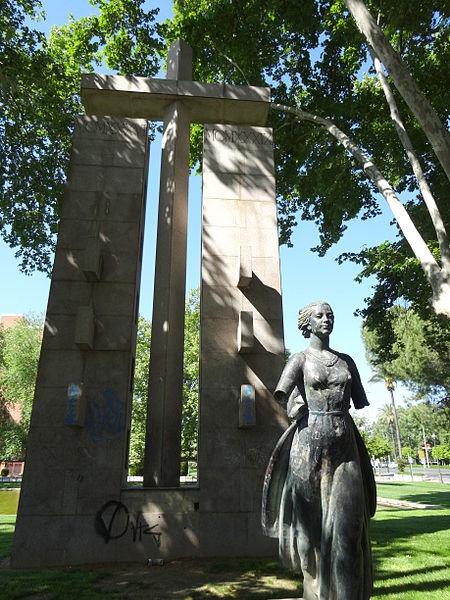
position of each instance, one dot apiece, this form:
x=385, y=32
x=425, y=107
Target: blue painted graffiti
x=106, y=417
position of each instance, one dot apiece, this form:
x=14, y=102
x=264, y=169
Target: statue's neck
x=319, y=344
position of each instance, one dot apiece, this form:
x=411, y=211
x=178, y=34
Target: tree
x=417, y=422
x=39, y=98
x=314, y=176
x=377, y=446
x=313, y=59
x=20, y=347
x=417, y=356
x=387, y=419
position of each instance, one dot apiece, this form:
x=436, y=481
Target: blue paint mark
x=106, y=417
x=74, y=393
x=248, y=400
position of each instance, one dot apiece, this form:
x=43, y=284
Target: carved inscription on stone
x=107, y=126
x=238, y=137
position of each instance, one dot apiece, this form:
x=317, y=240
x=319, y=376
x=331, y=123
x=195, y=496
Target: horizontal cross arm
x=140, y=97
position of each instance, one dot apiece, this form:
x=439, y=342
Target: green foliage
x=377, y=446
x=413, y=421
x=189, y=432
x=411, y=350
x=39, y=97
x=140, y=395
x=20, y=347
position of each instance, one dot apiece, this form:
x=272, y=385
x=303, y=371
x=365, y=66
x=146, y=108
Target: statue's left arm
x=358, y=393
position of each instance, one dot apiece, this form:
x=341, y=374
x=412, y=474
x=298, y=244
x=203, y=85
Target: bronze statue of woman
x=319, y=490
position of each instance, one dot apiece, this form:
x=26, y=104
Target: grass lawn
x=422, y=492
x=9, y=499
x=411, y=556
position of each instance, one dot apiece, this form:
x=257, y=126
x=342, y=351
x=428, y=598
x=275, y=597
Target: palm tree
x=390, y=386
x=387, y=416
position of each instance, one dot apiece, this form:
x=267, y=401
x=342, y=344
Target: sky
x=305, y=277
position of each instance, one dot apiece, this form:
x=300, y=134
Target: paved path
x=404, y=504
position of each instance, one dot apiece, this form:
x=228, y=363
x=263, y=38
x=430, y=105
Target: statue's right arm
x=290, y=376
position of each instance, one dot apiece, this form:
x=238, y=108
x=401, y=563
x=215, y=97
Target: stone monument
x=75, y=505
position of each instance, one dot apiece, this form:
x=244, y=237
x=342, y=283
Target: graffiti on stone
x=113, y=521
x=106, y=417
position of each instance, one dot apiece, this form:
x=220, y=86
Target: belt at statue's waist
x=322, y=413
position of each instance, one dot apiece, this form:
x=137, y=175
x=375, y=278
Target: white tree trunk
x=435, y=131
x=428, y=197
x=440, y=284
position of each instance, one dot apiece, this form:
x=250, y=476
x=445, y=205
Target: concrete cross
x=177, y=101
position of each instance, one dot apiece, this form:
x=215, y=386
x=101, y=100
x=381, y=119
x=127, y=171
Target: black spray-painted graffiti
x=113, y=521
x=106, y=417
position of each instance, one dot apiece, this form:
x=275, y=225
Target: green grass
x=422, y=492
x=411, y=551
x=52, y=584
x=7, y=524
x=8, y=502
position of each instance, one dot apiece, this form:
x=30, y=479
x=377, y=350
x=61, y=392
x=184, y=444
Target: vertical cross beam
x=165, y=392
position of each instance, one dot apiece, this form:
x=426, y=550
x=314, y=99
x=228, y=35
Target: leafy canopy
x=39, y=98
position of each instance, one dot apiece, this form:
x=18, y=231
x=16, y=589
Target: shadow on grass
x=401, y=543
x=421, y=586
x=204, y=579
x=7, y=524
x=385, y=530
x=187, y=579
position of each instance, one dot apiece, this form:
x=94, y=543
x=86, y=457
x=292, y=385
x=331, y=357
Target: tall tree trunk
x=427, y=196
x=397, y=429
x=429, y=120
x=394, y=452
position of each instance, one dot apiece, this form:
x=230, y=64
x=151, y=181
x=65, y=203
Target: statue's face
x=322, y=320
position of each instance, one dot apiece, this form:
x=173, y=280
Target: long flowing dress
x=319, y=490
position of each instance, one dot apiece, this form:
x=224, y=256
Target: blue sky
x=305, y=276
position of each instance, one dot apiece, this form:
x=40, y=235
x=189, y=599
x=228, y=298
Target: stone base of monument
x=167, y=524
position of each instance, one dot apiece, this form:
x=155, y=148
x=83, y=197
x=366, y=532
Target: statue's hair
x=304, y=315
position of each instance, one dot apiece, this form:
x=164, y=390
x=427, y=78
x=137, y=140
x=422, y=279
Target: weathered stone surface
x=234, y=458
x=139, y=97
x=86, y=453
x=162, y=457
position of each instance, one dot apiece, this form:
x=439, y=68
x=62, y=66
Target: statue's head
x=311, y=315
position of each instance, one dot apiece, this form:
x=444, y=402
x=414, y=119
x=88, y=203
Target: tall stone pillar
x=242, y=347
x=165, y=396
x=78, y=443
